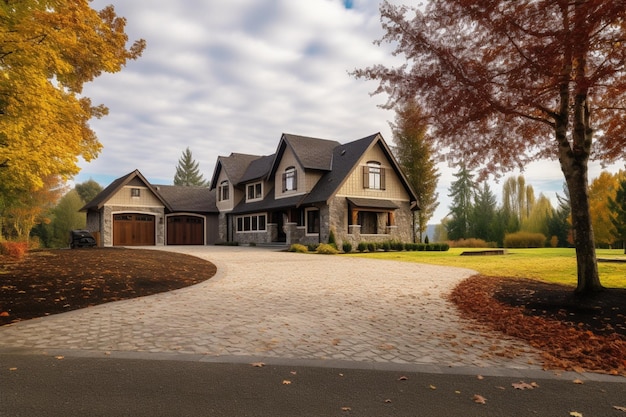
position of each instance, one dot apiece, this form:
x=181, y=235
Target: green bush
x=524, y=240
x=386, y=246
x=312, y=247
x=347, y=247
x=362, y=247
x=371, y=246
x=426, y=240
x=331, y=239
x=327, y=249
x=296, y=247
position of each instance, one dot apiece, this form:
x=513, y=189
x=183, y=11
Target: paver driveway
x=270, y=304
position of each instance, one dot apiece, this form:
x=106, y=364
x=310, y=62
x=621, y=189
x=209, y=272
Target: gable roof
x=192, y=199
x=311, y=153
x=257, y=169
x=99, y=200
x=234, y=165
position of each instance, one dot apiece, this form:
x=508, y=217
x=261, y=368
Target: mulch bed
x=572, y=332
x=54, y=281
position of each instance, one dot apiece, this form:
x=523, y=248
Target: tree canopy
x=506, y=82
x=49, y=50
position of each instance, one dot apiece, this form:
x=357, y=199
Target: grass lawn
x=557, y=265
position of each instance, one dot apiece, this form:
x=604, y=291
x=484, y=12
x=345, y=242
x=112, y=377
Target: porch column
x=355, y=216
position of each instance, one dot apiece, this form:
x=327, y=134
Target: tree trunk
x=574, y=159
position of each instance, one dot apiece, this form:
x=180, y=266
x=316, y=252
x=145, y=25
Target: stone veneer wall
x=401, y=231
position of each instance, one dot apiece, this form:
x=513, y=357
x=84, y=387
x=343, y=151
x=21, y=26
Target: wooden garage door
x=133, y=230
x=185, y=230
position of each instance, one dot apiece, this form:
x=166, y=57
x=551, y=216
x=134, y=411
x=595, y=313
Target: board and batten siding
x=353, y=186
x=124, y=197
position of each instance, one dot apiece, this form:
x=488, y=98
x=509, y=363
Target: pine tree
x=484, y=214
x=414, y=152
x=188, y=173
x=462, y=193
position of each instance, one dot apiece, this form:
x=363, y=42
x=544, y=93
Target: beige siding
x=229, y=204
x=289, y=160
x=124, y=198
x=393, y=185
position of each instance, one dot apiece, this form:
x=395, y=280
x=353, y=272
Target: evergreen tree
x=484, y=214
x=558, y=223
x=618, y=209
x=414, y=153
x=187, y=172
x=462, y=192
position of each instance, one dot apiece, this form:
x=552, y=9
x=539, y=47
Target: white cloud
x=224, y=77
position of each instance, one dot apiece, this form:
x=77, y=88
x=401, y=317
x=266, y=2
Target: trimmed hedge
x=524, y=240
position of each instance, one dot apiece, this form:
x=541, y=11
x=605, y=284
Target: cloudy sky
x=232, y=76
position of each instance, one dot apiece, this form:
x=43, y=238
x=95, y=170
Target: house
x=311, y=186
x=306, y=189
x=133, y=212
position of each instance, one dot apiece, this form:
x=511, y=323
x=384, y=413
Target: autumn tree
x=506, y=82
x=49, y=50
x=414, y=154
x=537, y=220
x=601, y=190
x=188, y=172
x=88, y=190
x=518, y=197
x=617, y=206
x=462, y=192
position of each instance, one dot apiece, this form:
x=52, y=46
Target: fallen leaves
x=479, y=399
x=258, y=364
x=524, y=386
x=618, y=408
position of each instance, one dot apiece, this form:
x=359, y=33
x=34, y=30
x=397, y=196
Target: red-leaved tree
x=508, y=82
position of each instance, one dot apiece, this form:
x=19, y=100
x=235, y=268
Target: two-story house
x=307, y=188
x=312, y=186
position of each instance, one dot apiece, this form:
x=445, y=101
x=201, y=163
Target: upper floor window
x=224, y=191
x=135, y=192
x=374, y=176
x=254, y=191
x=290, y=179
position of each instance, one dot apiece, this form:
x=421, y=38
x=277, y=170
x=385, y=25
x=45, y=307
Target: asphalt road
x=55, y=385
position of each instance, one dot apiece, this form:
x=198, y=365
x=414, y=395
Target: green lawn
x=553, y=265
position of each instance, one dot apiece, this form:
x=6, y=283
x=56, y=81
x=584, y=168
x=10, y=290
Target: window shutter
x=284, y=182
x=295, y=179
x=366, y=177
x=382, y=178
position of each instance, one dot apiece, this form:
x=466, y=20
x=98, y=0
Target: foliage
x=347, y=247
x=601, y=191
x=537, y=220
x=296, y=247
x=88, y=190
x=507, y=84
x=331, y=239
x=188, y=172
x=484, y=214
x=462, y=193
x=49, y=50
x=326, y=249
x=618, y=209
x=468, y=243
x=362, y=247
x=518, y=198
x=414, y=153
x=524, y=240
x=15, y=250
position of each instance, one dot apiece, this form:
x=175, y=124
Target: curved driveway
x=264, y=304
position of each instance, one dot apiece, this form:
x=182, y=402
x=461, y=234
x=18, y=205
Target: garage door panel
x=185, y=230
x=133, y=230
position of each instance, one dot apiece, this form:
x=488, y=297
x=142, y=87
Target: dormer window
x=290, y=179
x=254, y=191
x=224, y=191
x=374, y=176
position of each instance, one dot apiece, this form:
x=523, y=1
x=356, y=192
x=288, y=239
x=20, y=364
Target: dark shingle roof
x=312, y=153
x=257, y=169
x=102, y=197
x=235, y=166
x=192, y=199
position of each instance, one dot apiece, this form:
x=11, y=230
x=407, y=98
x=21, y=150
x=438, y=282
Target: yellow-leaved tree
x=48, y=50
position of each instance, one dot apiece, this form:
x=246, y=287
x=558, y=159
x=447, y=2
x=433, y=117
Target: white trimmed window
x=374, y=176
x=254, y=191
x=252, y=223
x=290, y=179
x=224, y=191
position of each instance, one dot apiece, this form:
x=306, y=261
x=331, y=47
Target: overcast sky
x=232, y=76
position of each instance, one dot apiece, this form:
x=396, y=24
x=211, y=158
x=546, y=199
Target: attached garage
x=133, y=229
x=185, y=230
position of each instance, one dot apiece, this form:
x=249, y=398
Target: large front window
x=255, y=191
x=251, y=223
x=374, y=176
x=290, y=180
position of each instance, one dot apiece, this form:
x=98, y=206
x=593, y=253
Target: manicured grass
x=553, y=265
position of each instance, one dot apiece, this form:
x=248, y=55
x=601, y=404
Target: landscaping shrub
x=524, y=240
x=426, y=240
x=296, y=247
x=331, y=239
x=347, y=247
x=312, y=247
x=386, y=246
x=469, y=243
x=362, y=247
x=371, y=246
x=15, y=250
x=327, y=249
